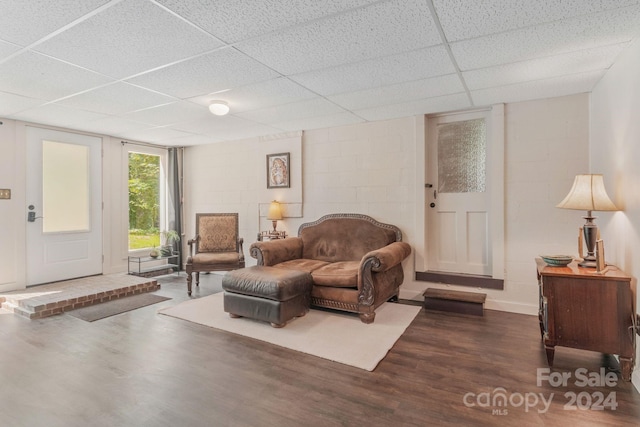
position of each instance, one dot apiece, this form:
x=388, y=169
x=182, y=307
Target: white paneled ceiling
x=146, y=70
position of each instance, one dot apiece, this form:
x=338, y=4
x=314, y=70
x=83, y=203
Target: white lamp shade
x=588, y=194
x=219, y=108
x=274, y=212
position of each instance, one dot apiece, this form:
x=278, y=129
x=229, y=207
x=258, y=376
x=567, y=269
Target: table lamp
x=588, y=194
x=274, y=214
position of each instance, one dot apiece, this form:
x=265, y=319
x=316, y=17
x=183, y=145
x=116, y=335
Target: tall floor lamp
x=588, y=194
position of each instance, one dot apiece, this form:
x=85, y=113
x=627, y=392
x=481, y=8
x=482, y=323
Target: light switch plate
x=5, y=193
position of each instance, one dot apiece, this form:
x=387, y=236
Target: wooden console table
x=582, y=309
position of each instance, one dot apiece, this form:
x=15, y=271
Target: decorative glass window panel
x=65, y=187
x=462, y=156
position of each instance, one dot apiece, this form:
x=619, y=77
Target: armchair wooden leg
x=189, y=279
x=367, y=317
x=197, y=278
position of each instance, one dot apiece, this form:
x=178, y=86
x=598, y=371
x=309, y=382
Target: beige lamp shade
x=274, y=212
x=588, y=194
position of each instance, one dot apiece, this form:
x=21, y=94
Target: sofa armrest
x=384, y=258
x=375, y=262
x=273, y=252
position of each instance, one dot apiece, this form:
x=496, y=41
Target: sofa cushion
x=337, y=274
x=308, y=265
x=215, y=258
x=343, y=239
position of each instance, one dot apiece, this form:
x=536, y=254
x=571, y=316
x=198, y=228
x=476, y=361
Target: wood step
x=454, y=301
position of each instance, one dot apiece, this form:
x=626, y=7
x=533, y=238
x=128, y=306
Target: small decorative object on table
x=271, y=235
x=557, y=260
x=169, y=238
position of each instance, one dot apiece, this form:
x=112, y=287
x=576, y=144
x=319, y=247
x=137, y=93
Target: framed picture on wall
x=278, y=170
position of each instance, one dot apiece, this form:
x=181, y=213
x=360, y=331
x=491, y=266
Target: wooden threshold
x=460, y=279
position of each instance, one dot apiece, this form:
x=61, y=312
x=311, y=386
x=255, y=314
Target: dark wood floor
x=145, y=369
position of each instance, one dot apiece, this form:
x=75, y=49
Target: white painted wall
x=615, y=152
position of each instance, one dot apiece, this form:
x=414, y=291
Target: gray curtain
x=174, y=182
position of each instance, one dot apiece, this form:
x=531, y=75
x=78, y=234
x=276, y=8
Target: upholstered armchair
x=216, y=247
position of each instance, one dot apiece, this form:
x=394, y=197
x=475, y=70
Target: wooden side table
x=582, y=309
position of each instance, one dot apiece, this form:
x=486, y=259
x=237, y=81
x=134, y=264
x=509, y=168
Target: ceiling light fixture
x=219, y=108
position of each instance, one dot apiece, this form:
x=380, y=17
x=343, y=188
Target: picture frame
x=278, y=168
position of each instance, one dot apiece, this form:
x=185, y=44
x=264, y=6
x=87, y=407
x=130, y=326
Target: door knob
x=433, y=205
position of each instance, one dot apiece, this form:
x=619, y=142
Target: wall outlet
x=5, y=193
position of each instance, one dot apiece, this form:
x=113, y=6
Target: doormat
x=111, y=308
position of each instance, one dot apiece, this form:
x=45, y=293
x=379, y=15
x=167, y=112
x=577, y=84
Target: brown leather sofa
x=354, y=260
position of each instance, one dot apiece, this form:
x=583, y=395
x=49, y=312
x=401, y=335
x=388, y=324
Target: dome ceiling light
x=219, y=108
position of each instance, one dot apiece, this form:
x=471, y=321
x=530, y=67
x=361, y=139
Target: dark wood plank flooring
x=144, y=369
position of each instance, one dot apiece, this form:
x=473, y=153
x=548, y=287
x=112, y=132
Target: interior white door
x=64, y=205
x=458, y=197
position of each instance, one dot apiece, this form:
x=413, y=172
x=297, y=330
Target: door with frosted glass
x=457, y=194
x=64, y=206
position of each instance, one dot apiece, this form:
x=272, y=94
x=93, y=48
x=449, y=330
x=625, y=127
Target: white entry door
x=64, y=206
x=458, y=194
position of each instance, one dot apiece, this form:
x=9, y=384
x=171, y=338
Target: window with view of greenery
x=144, y=201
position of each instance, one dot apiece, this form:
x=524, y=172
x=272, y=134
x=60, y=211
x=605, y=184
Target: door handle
x=31, y=216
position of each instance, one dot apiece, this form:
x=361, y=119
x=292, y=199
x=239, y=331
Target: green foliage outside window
x=144, y=200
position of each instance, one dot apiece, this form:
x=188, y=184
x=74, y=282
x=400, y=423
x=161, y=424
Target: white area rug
x=335, y=336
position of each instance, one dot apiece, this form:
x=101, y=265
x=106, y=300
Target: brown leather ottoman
x=274, y=295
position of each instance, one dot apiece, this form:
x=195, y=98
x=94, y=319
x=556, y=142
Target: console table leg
x=550, y=349
x=625, y=366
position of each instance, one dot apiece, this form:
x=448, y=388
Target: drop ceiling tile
x=259, y=95
x=7, y=49
x=547, y=88
x=599, y=58
x=111, y=125
x=37, y=76
x=190, y=140
x=58, y=115
x=129, y=37
x=117, y=98
x=217, y=71
x=378, y=30
x=405, y=66
x=439, y=104
x=295, y=110
x=24, y=22
x=11, y=103
x=613, y=27
x=399, y=93
x=155, y=135
x=222, y=18
x=217, y=125
x=243, y=132
x=169, y=114
x=317, y=122
x=463, y=19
